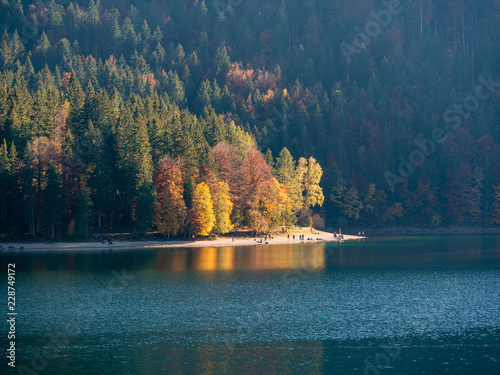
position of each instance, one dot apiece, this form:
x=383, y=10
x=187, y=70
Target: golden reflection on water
x=218, y=358
x=243, y=258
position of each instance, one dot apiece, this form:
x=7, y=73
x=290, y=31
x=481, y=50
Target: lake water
x=392, y=305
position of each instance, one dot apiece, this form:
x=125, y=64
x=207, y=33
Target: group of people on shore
x=108, y=240
x=303, y=238
x=339, y=237
x=263, y=240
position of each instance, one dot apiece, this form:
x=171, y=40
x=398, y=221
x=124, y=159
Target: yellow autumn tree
x=309, y=174
x=276, y=206
x=314, y=193
x=202, y=217
x=222, y=208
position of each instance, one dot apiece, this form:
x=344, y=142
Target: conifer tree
x=221, y=60
x=287, y=175
x=6, y=52
x=43, y=46
x=136, y=164
x=53, y=199
x=83, y=209
x=4, y=182
x=76, y=101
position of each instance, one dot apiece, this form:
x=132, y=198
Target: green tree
x=221, y=59
x=174, y=87
x=158, y=56
x=55, y=18
x=53, y=201
x=6, y=52
x=43, y=46
x=347, y=200
x=4, y=187
x=270, y=159
x=83, y=210
x=136, y=164
x=145, y=31
x=157, y=36
x=76, y=99
x=17, y=9
x=288, y=175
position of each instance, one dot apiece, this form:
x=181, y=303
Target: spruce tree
x=53, y=200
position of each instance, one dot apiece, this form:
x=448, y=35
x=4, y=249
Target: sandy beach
x=319, y=236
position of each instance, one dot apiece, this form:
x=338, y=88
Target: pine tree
x=43, y=46
x=83, y=209
x=288, y=175
x=221, y=60
x=52, y=197
x=28, y=187
x=17, y=209
x=145, y=31
x=129, y=36
x=17, y=9
x=157, y=36
x=347, y=200
x=6, y=52
x=42, y=118
x=174, y=88
x=145, y=205
x=4, y=188
x=76, y=100
x=158, y=56
x=215, y=128
x=135, y=163
x=4, y=109
x=55, y=18
x=270, y=159
x=20, y=124
x=17, y=46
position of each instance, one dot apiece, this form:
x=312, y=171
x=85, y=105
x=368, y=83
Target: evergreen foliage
x=94, y=98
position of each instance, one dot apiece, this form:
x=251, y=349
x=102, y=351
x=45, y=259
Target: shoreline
x=418, y=230
x=319, y=237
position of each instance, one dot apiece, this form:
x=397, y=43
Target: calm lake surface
x=387, y=305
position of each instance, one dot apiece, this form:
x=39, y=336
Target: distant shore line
x=417, y=230
x=315, y=237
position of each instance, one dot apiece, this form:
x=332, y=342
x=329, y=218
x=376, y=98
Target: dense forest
x=189, y=117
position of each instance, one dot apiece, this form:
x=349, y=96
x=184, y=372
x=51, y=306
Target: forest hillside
x=193, y=117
